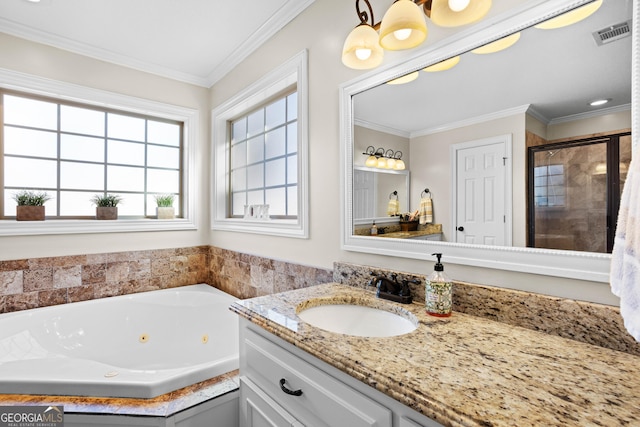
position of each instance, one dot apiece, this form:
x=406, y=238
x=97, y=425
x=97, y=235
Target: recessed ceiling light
x=599, y=102
x=33, y=1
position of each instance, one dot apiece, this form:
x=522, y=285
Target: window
x=73, y=152
x=549, y=186
x=75, y=142
x=259, y=155
x=264, y=158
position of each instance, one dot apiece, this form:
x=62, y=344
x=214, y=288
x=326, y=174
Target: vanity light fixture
x=571, y=17
x=381, y=159
x=404, y=27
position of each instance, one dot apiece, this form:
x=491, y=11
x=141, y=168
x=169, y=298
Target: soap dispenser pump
x=438, y=291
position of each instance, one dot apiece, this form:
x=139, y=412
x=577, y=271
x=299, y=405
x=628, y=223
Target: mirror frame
x=558, y=263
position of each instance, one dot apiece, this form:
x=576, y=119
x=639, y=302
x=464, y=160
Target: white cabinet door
x=259, y=410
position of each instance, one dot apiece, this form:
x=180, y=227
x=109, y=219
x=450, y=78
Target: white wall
x=43, y=61
x=322, y=29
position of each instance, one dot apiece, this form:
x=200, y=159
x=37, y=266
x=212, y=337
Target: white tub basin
x=359, y=320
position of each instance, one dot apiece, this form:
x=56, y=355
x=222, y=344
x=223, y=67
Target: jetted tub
x=140, y=345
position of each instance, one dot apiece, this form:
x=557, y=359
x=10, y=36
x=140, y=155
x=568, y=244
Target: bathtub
x=140, y=345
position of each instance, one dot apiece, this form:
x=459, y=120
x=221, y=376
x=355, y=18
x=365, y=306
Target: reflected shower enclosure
x=574, y=192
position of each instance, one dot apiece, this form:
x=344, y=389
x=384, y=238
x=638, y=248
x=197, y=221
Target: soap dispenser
x=374, y=229
x=438, y=291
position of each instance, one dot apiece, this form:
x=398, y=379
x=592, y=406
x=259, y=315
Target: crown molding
x=282, y=17
x=591, y=114
x=381, y=128
x=473, y=120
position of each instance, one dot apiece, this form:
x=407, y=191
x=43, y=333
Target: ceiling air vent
x=612, y=33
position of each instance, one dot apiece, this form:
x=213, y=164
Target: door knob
x=461, y=228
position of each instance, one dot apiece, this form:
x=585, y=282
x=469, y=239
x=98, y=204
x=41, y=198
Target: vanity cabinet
x=281, y=385
x=436, y=237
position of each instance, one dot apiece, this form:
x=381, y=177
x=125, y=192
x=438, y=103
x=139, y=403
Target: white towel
x=393, y=208
x=426, y=211
x=625, y=259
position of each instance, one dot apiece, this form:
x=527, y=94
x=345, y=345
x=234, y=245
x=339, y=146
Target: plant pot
x=29, y=213
x=165, y=212
x=106, y=212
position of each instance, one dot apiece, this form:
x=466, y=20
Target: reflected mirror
x=496, y=110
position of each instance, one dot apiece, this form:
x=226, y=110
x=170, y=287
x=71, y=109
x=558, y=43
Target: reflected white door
x=364, y=194
x=482, y=211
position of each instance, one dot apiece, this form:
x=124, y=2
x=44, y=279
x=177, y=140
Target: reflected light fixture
x=571, y=17
x=404, y=79
x=599, y=102
x=447, y=64
x=404, y=27
x=381, y=159
x=498, y=45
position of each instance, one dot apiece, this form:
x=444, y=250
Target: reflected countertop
x=465, y=370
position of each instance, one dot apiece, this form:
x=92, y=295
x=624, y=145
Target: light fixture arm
x=364, y=16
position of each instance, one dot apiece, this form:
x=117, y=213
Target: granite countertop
x=408, y=234
x=465, y=370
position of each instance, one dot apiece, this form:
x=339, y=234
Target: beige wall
x=321, y=29
x=431, y=168
x=44, y=61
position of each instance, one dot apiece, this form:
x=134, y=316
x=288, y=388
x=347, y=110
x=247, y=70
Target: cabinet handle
x=286, y=390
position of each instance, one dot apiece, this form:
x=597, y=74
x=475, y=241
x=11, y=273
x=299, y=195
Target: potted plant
x=106, y=205
x=165, y=209
x=30, y=205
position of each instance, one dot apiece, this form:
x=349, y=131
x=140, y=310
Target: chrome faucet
x=391, y=289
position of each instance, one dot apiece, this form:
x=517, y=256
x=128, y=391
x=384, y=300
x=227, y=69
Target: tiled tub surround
x=590, y=323
x=41, y=282
x=465, y=370
x=248, y=276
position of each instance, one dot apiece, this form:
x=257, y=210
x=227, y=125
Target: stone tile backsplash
x=590, y=323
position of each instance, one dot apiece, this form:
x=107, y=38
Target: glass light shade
x=403, y=15
x=498, y=45
x=458, y=5
x=382, y=163
x=443, y=65
x=443, y=16
x=391, y=163
x=571, y=17
x=399, y=165
x=362, y=50
x=371, y=162
x=404, y=79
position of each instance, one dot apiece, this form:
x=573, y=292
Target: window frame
x=292, y=73
x=67, y=92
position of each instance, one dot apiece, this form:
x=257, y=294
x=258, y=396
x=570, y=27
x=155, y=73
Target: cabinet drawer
x=324, y=401
x=257, y=409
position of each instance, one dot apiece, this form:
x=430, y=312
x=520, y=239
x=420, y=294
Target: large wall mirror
x=524, y=111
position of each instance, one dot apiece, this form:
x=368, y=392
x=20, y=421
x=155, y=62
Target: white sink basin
x=359, y=320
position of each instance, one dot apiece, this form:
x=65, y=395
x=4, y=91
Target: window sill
x=88, y=226
x=285, y=228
